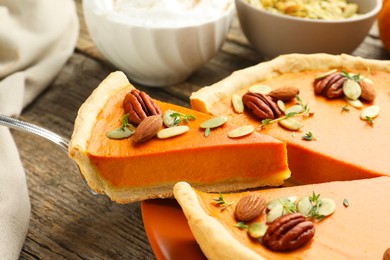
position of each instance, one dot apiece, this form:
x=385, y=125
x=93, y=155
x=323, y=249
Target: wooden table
x=67, y=221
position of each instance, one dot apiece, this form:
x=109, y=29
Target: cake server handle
x=27, y=127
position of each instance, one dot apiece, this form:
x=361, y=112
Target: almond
x=147, y=129
x=368, y=91
x=249, y=207
x=284, y=93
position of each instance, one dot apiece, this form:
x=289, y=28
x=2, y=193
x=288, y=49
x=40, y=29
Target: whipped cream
x=164, y=13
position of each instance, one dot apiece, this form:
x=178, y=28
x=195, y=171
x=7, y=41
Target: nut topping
x=249, y=207
x=331, y=86
x=368, y=91
x=139, y=105
x=288, y=232
x=284, y=93
x=147, y=129
x=261, y=106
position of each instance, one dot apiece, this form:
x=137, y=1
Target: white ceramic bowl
x=155, y=55
x=274, y=34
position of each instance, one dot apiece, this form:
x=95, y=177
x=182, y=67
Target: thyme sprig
x=179, y=117
x=288, y=206
x=306, y=112
x=316, y=203
x=354, y=77
x=125, y=123
x=221, y=201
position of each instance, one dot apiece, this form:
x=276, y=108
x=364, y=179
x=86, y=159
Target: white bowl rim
x=230, y=10
x=361, y=17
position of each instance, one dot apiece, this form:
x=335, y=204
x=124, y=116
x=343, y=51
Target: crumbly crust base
x=213, y=238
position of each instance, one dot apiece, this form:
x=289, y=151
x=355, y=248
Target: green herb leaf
x=309, y=137
x=369, y=120
x=354, y=77
x=241, y=225
x=221, y=201
x=265, y=122
x=125, y=123
x=345, y=108
x=288, y=206
x=346, y=203
x=179, y=117
x=316, y=203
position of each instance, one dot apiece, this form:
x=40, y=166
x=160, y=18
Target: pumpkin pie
x=333, y=140
x=358, y=228
x=128, y=171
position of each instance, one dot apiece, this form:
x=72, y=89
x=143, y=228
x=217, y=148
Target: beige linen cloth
x=36, y=39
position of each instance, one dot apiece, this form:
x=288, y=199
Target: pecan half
x=331, y=86
x=288, y=232
x=139, y=105
x=262, y=106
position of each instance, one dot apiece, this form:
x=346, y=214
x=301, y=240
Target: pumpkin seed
x=119, y=133
x=294, y=109
x=257, y=229
x=291, y=124
x=370, y=112
x=304, y=206
x=327, y=207
x=274, y=213
x=172, y=131
x=281, y=200
x=276, y=208
x=241, y=131
x=259, y=88
x=168, y=119
x=238, y=105
x=352, y=89
x=214, y=122
x=325, y=74
x=356, y=103
x=281, y=105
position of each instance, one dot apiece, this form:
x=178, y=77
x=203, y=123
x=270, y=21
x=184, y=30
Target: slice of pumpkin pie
x=331, y=110
x=132, y=147
x=335, y=220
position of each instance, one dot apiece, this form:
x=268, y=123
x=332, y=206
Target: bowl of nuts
x=281, y=27
x=158, y=42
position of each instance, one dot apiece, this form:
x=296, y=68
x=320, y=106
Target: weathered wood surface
x=67, y=221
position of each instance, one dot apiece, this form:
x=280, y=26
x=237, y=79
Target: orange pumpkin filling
x=357, y=231
x=346, y=147
x=213, y=163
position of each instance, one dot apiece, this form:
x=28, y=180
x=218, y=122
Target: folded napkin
x=36, y=39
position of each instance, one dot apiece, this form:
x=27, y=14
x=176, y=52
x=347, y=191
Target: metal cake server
x=24, y=126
